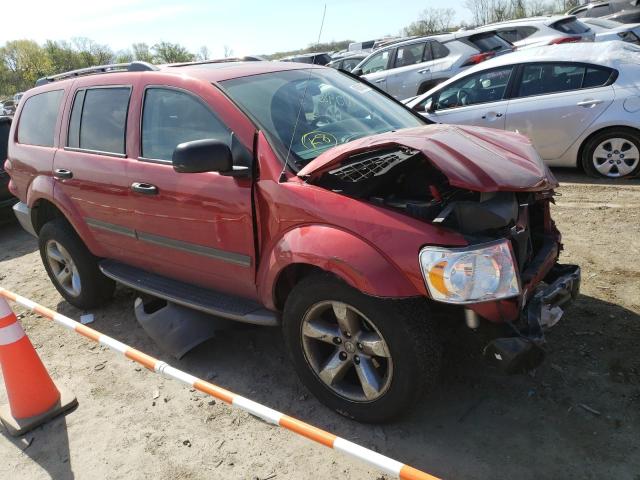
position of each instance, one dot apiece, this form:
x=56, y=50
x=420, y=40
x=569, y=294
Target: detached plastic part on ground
x=174, y=328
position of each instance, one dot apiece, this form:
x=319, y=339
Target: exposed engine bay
x=403, y=179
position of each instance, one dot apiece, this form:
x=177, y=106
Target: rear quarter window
x=37, y=122
x=438, y=50
x=489, y=42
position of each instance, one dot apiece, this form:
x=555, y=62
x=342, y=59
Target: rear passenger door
x=91, y=170
x=195, y=227
x=411, y=68
x=554, y=103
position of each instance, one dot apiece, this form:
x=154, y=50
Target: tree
x=142, y=52
x=228, y=51
x=431, y=20
x=24, y=62
x=166, y=52
x=203, y=54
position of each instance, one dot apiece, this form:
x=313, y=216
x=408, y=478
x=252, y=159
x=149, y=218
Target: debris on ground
x=87, y=318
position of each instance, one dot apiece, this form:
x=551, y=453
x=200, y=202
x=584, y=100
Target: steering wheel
x=463, y=96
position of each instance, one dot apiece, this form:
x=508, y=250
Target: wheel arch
x=322, y=248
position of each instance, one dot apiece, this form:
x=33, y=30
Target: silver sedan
x=578, y=103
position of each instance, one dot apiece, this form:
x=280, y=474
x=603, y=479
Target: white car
x=607, y=30
x=538, y=31
x=579, y=105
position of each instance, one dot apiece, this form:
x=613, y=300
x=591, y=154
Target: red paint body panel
x=271, y=224
x=474, y=158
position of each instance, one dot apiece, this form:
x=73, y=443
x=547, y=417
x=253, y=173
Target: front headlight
x=472, y=274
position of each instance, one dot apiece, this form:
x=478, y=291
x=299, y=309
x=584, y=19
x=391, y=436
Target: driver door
x=478, y=99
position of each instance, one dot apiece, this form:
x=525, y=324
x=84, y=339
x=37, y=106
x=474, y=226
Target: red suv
x=294, y=195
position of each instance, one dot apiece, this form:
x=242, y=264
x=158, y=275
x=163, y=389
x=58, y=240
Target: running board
x=190, y=296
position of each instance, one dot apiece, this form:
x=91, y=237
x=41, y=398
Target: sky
x=246, y=26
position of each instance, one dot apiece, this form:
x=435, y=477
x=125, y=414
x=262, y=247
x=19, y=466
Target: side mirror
x=202, y=156
x=427, y=107
x=357, y=71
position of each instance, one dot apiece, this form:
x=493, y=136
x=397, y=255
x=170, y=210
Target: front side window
x=38, y=119
x=481, y=87
x=350, y=64
x=409, y=55
x=546, y=78
x=171, y=117
x=98, y=120
x=377, y=63
x=312, y=111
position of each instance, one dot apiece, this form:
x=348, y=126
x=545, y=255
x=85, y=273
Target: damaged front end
x=492, y=189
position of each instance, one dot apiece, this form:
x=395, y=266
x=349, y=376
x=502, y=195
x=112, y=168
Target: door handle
x=424, y=70
x=62, y=174
x=379, y=80
x=146, y=188
x=497, y=115
x=589, y=103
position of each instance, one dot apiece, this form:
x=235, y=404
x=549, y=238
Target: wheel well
x=597, y=132
x=42, y=212
x=288, y=278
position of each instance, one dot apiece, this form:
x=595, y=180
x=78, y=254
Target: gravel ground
x=576, y=416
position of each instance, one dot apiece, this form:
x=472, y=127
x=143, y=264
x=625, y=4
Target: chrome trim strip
x=230, y=257
x=95, y=152
x=110, y=227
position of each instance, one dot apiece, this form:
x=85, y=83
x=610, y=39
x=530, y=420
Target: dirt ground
x=576, y=416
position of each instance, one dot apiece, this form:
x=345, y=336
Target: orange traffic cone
x=33, y=397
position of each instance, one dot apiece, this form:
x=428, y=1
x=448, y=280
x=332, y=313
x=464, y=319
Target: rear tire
x=72, y=268
x=381, y=368
x=612, y=153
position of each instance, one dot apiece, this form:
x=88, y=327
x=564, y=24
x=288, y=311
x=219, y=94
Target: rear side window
x=546, y=78
x=570, y=26
x=38, y=119
x=439, y=50
x=489, y=42
x=376, y=63
x=98, y=120
x=409, y=55
x=171, y=117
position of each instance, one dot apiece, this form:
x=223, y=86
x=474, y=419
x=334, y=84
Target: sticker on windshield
x=360, y=87
x=317, y=139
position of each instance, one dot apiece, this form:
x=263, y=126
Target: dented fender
x=342, y=253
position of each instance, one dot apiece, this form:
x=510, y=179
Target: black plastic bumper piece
x=525, y=350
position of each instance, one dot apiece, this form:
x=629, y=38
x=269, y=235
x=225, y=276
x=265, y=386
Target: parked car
x=579, y=105
x=347, y=63
x=17, y=97
x=607, y=30
x=412, y=67
x=6, y=198
x=9, y=107
x=313, y=58
x=279, y=193
x=625, y=16
x=538, y=31
x=601, y=9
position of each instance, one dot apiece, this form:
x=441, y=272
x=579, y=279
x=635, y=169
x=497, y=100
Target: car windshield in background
x=571, y=26
x=330, y=107
x=489, y=42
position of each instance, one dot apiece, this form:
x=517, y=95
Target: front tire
x=73, y=270
x=612, y=153
x=367, y=358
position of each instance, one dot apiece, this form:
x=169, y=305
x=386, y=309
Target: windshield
x=331, y=108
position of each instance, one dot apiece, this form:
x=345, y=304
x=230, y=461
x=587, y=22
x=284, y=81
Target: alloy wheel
x=63, y=268
x=616, y=157
x=346, y=351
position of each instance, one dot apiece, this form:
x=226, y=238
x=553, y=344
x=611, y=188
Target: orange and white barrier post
x=33, y=397
x=386, y=464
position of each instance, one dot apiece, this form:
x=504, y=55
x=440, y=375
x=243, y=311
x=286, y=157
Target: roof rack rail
x=114, y=67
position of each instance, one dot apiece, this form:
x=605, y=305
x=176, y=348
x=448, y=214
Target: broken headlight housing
x=478, y=273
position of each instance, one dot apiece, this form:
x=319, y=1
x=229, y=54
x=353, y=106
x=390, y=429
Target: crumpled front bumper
x=524, y=350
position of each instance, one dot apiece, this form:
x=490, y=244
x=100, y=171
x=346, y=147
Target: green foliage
x=165, y=52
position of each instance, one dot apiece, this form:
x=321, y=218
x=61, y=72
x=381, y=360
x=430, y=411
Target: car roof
x=608, y=53
x=547, y=20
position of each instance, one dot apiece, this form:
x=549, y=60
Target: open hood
x=473, y=158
